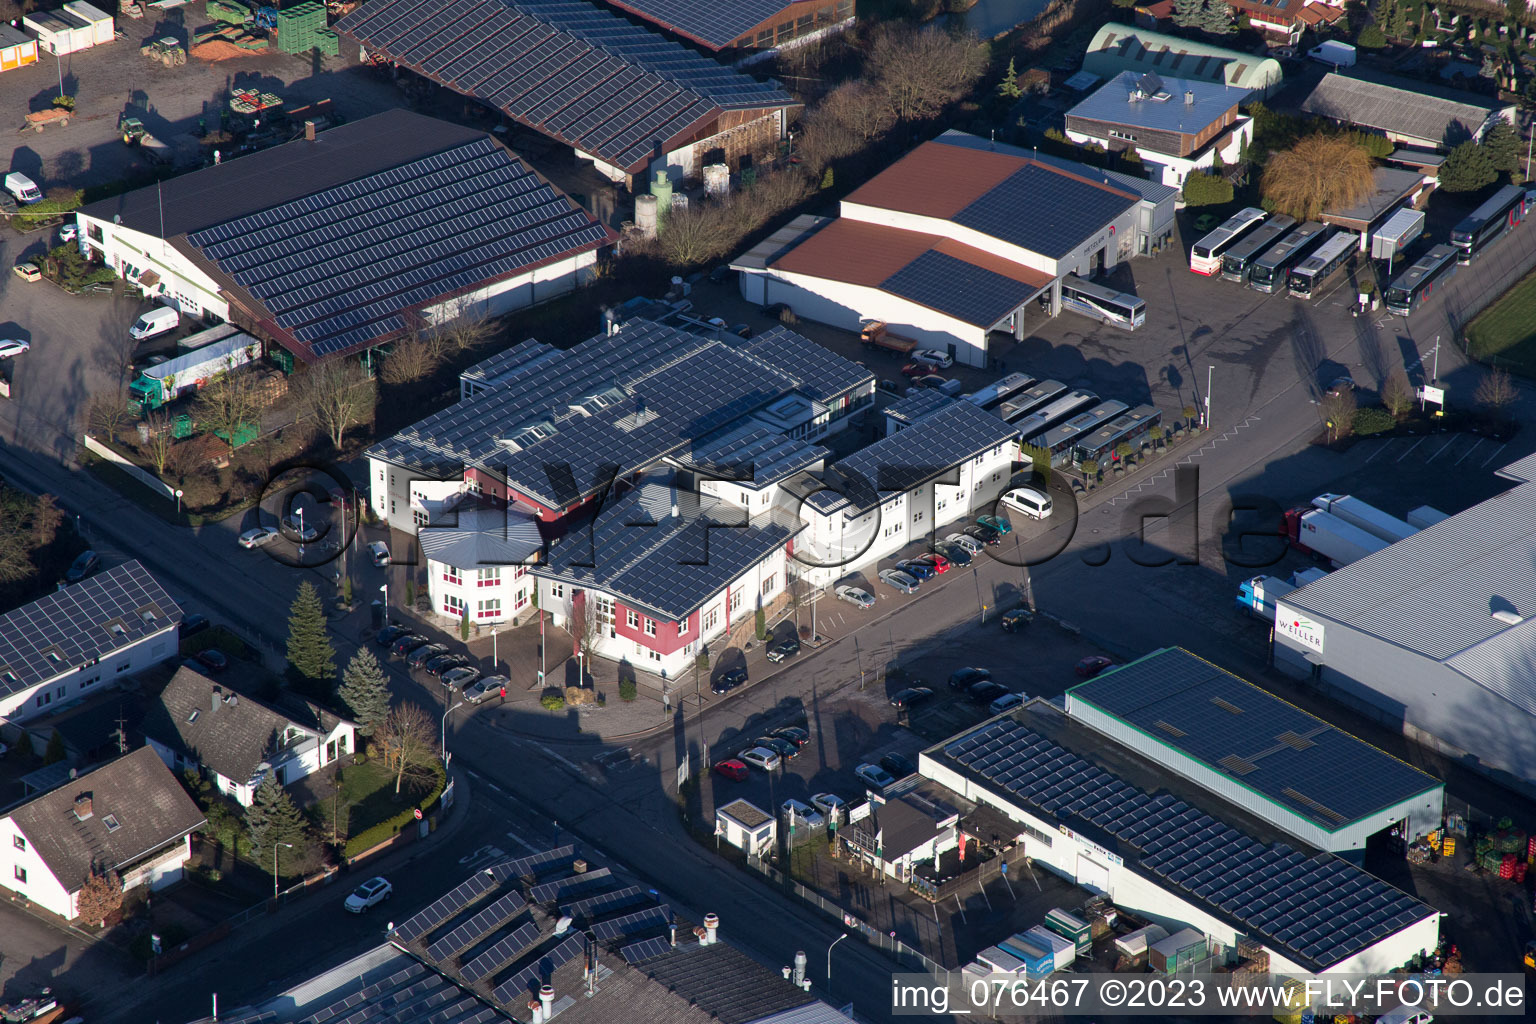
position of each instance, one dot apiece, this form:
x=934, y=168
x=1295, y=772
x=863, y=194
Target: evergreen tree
x=1188, y=13
x=1008, y=88
x=1217, y=18
x=272, y=819
x=1502, y=144
x=1396, y=20
x=1372, y=37
x=310, y=654
x=1467, y=169
x=365, y=690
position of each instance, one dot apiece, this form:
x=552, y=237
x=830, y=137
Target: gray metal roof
x=482, y=536
x=1440, y=117
x=971, y=294
x=558, y=422
x=752, y=456
x=1162, y=105
x=1316, y=910
x=1150, y=191
x=82, y=623
x=664, y=563
x=1254, y=738
x=1389, y=187
x=1115, y=48
x=713, y=23
x=338, y=268
x=910, y=457
x=1435, y=594
x=583, y=75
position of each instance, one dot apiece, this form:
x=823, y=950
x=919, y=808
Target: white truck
x=1335, y=53
x=161, y=383
x=1330, y=537
x=1366, y=516
x=23, y=188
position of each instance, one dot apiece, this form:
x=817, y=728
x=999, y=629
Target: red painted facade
x=666, y=640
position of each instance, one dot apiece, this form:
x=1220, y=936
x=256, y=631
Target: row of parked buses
x=1270, y=253
x=1071, y=424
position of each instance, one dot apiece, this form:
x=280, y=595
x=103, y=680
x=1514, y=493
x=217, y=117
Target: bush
x=1372, y=37
x=761, y=619
x=1372, y=421
x=1206, y=190
x=552, y=701
x=628, y=690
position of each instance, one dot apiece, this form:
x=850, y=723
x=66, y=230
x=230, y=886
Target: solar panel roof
x=337, y=270
x=1063, y=209
x=583, y=75
x=81, y=624
x=970, y=294
x=1288, y=755
x=753, y=456
x=712, y=23
x=1317, y=910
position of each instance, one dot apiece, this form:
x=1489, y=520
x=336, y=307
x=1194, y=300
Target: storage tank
x=645, y=215
x=717, y=180
x=680, y=201
x=661, y=189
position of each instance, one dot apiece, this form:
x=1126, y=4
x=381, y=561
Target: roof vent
x=83, y=806
x=1506, y=616
x=1189, y=97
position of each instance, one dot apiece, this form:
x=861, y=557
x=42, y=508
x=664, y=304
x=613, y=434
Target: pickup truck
x=875, y=334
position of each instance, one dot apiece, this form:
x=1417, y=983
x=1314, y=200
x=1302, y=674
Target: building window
x=454, y=606
x=650, y=627
x=710, y=617
x=121, y=668
x=93, y=231
x=770, y=583
x=44, y=699
x=452, y=575
x=21, y=874
x=419, y=517
x=490, y=609
x=490, y=577
x=917, y=517
x=682, y=628
x=804, y=24
x=736, y=598
x=1035, y=834
x=522, y=599
x=632, y=618
x=654, y=655
x=765, y=38
x=557, y=590
x=942, y=503
x=20, y=843
x=786, y=31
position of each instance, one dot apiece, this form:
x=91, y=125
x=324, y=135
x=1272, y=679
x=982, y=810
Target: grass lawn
x=368, y=789
x=1505, y=333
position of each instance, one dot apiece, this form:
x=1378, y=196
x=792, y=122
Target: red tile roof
x=860, y=253
x=936, y=180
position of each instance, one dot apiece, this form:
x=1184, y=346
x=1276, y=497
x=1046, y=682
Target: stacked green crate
x=328, y=42
x=298, y=27
x=229, y=11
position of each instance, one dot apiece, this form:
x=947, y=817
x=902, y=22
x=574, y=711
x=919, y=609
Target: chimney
x=547, y=1000
x=1189, y=97
x=672, y=932
x=83, y=807
x=799, y=977
x=217, y=696
x=309, y=131
x=711, y=929
x=536, y=1010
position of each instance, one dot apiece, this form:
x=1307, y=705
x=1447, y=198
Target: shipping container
x=17, y=49
x=1000, y=962
x=1072, y=927
x=59, y=32
x=1135, y=944
x=1063, y=950
x=1325, y=534
x=1366, y=516
x=1037, y=959
x=1179, y=951
x=1397, y=234
x=102, y=30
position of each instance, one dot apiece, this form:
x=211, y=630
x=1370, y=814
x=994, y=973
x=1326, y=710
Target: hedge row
x=389, y=828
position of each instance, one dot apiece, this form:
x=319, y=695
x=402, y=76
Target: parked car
x=961, y=678
x=728, y=681
x=931, y=380
x=934, y=358
x=256, y=536
x=786, y=648
x=956, y=554
x=935, y=561
x=762, y=759
x=1015, y=620
x=13, y=347
x=874, y=777
x=898, y=580
x=380, y=553
x=440, y=663
x=84, y=564
x=732, y=769
x=985, y=692
x=782, y=747
x=796, y=735
x=370, y=894
x=192, y=624
x=425, y=653
x=1006, y=702
x=917, y=570
x=1092, y=665
x=983, y=534
x=900, y=767
x=212, y=660
x=462, y=676
x=480, y=689
x=910, y=697
x=793, y=809
x=408, y=643
x=28, y=272
x=1341, y=385
x=856, y=596
x=998, y=523
x=890, y=387
x=389, y=634
x=301, y=531
x=912, y=371
x=69, y=232
x=965, y=543
x=831, y=805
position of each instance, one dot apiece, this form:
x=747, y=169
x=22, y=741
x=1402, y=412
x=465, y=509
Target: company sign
x=1306, y=631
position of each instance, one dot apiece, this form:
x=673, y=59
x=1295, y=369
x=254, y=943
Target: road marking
x=573, y=767
x=1443, y=447
x=1409, y=452
x=1494, y=455
x=1186, y=460
x=520, y=841
x=1469, y=451
x=1378, y=451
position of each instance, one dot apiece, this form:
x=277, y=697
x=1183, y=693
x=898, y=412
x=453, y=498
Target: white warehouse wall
x=46, y=698
x=181, y=284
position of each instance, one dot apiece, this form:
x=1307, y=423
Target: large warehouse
x=741, y=26
x=1435, y=634
x=1100, y=815
x=1116, y=48
x=623, y=97
x=955, y=240
x=350, y=238
x=1302, y=775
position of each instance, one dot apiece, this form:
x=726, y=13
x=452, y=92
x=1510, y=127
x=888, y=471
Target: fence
x=143, y=476
x=902, y=952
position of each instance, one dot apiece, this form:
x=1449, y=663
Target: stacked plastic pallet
x=229, y=11
x=298, y=27
x=328, y=42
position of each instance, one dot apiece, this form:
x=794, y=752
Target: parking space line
x=1443, y=447
x=1379, y=450
x=1411, y=447
x=1495, y=455
x=1469, y=451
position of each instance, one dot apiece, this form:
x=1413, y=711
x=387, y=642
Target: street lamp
x=1209, y=373
x=835, y=941
x=445, y=730
x=494, y=631
x=385, y=591
x=274, y=866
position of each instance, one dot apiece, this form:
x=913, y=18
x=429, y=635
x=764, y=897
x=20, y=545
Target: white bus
x=1102, y=304
x=1308, y=277
x=1205, y=257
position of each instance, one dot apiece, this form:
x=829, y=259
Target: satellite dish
x=74, y=773
x=564, y=924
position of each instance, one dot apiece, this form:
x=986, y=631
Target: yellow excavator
x=1530, y=955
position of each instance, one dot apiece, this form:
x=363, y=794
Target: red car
x=916, y=370
x=1093, y=665
x=732, y=769
x=939, y=562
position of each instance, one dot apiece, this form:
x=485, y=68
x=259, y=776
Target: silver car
x=257, y=536
x=899, y=580
x=460, y=677
x=856, y=596
x=490, y=686
x=970, y=544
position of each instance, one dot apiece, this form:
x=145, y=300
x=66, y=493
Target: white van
x=1030, y=502
x=1406, y=1015
x=156, y=321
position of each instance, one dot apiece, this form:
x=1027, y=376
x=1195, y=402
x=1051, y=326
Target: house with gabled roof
x=130, y=816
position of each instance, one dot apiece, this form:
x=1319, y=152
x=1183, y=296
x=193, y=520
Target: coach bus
x=1205, y=257
x=1240, y=258
x=1308, y=277
x=1038, y=422
x=1417, y=283
x=1483, y=226
x=1127, y=428
x=1102, y=304
x=1058, y=440
x=999, y=391
x=1030, y=399
x=1271, y=271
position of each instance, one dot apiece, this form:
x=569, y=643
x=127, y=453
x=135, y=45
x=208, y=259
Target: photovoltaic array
x=440, y=912
x=530, y=978
x=715, y=23
x=536, y=864
x=596, y=906
x=549, y=892
x=471, y=931
x=972, y=294
x=645, y=949
x=503, y=951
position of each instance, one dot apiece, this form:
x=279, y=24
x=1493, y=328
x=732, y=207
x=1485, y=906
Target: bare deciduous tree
x=107, y=412
x=1397, y=393
x=586, y=627
x=1338, y=408
x=160, y=441
x=1496, y=391
x=1319, y=172
x=461, y=325
x=227, y=403
x=338, y=393
x=921, y=71
x=410, y=360
x=407, y=742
